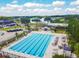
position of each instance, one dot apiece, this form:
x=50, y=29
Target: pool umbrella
x=15, y=30
x=13, y=24
x=67, y=48
x=5, y=21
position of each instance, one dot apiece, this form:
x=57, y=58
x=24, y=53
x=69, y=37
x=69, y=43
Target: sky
x=38, y=7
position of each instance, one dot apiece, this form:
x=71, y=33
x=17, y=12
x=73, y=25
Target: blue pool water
x=35, y=44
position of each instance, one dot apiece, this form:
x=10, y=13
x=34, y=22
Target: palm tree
x=37, y=20
x=16, y=35
x=27, y=23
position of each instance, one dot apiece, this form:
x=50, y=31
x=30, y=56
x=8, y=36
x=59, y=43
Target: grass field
x=10, y=28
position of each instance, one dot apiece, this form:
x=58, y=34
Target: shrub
x=59, y=56
x=77, y=49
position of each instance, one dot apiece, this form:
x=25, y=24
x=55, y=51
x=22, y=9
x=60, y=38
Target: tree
x=37, y=20
x=77, y=49
x=26, y=22
x=16, y=35
x=73, y=29
x=5, y=18
x=48, y=19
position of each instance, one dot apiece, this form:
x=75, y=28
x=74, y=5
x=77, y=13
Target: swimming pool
x=35, y=44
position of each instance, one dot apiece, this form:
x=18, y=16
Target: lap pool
x=35, y=44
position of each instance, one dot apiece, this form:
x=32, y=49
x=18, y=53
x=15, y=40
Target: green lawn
x=10, y=28
x=61, y=31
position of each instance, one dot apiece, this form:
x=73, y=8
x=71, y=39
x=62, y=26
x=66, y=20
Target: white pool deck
x=50, y=51
x=7, y=36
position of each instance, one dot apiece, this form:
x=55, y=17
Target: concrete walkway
x=7, y=36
